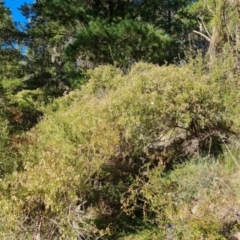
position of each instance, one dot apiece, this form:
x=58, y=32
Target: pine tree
x=10, y=41
x=110, y=31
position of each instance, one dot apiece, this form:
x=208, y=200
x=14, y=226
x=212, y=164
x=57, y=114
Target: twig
x=235, y=160
x=38, y=230
x=203, y=35
x=205, y=28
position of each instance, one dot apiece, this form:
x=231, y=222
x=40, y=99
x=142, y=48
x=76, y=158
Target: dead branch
x=203, y=35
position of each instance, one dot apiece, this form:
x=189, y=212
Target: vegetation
x=120, y=124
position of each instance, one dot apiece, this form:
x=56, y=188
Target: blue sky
x=13, y=5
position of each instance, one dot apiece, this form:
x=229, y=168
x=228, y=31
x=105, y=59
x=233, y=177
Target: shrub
x=100, y=150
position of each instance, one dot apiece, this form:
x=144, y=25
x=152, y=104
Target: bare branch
x=203, y=35
x=205, y=27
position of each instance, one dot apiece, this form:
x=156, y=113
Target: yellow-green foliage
x=91, y=147
x=9, y=161
x=199, y=199
x=10, y=86
x=28, y=99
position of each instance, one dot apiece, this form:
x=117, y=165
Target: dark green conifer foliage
x=11, y=39
x=115, y=32
x=11, y=66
